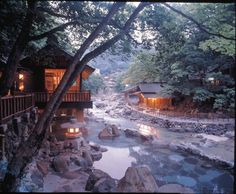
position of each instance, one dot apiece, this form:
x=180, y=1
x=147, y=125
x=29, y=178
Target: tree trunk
x=13, y=60
x=30, y=148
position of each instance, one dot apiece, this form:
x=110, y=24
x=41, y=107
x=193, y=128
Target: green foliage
x=142, y=70
x=187, y=58
x=225, y=101
x=94, y=83
x=201, y=95
x=120, y=85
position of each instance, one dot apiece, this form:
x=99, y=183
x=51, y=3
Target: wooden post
x=3, y=146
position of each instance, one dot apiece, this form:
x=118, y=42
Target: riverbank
x=61, y=167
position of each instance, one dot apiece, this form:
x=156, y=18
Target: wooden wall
x=156, y=103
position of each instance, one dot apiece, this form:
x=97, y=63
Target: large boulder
x=60, y=163
x=109, y=132
x=137, y=179
x=131, y=133
x=115, y=131
x=105, y=185
x=105, y=134
x=94, y=177
x=174, y=188
x=80, y=161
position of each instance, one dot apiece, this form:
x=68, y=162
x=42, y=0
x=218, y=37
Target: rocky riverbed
x=120, y=148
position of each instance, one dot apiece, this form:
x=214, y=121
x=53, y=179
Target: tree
x=191, y=54
x=93, y=35
x=30, y=147
x=94, y=83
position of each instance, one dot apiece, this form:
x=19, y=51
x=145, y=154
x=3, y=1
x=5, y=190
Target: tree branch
x=200, y=26
x=56, y=29
x=50, y=107
x=50, y=12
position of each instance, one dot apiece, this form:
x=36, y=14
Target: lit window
x=71, y=130
x=21, y=76
x=21, y=86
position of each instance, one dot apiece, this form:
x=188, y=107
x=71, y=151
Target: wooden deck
x=15, y=105
x=11, y=106
x=70, y=99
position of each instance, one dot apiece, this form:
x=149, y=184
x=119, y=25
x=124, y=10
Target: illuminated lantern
x=73, y=133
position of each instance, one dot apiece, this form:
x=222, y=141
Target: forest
x=188, y=46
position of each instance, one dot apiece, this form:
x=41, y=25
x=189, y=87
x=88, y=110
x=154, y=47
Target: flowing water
x=167, y=166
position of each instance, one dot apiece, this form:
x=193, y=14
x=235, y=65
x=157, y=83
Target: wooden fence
x=182, y=115
x=14, y=105
x=68, y=97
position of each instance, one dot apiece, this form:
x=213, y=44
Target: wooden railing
x=14, y=105
x=68, y=97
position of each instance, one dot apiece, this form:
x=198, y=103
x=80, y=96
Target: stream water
x=167, y=166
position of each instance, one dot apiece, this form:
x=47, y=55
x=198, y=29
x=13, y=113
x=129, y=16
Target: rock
x=96, y=155
x=87, y=156
x=105, y=134
x=115, y=130
x=109, y=131
x=105, y=185
x=60, y=164
x=100, y=105
x=137, y=179
x=94, y=177
x=230, y=134
x=103, y=149
x=131, y=133
x=95, y=147
x=174, y=188
x=70, y=144
x=43, y=167
x=71, y=174
x=225, y=181
x=148, y=138
x=80, y=161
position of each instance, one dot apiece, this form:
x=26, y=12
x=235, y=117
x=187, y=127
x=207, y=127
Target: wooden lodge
x=38, y=76
x=148, y=95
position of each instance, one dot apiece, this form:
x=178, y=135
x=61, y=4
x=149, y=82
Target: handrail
x=68, y=97
x=14, y=105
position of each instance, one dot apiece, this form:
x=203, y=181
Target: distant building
x=148, y=95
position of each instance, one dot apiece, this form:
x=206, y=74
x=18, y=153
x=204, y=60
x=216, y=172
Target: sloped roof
x=149, y=90
x=52, y=56
x=150, y=87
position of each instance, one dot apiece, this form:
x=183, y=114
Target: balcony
x=70, y=99
x=12, y=106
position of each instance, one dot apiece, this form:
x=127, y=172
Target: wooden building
x=41, y=73
x=149, y=95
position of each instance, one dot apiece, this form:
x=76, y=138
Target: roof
x=149, y=90
x=150, y=87
x=52, y=56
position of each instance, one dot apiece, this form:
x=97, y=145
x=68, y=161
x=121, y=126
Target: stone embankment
x=12, y=134
x=181, y=125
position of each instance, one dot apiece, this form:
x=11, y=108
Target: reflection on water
x=166, y=166
x=148, y=130
x=115, y=161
